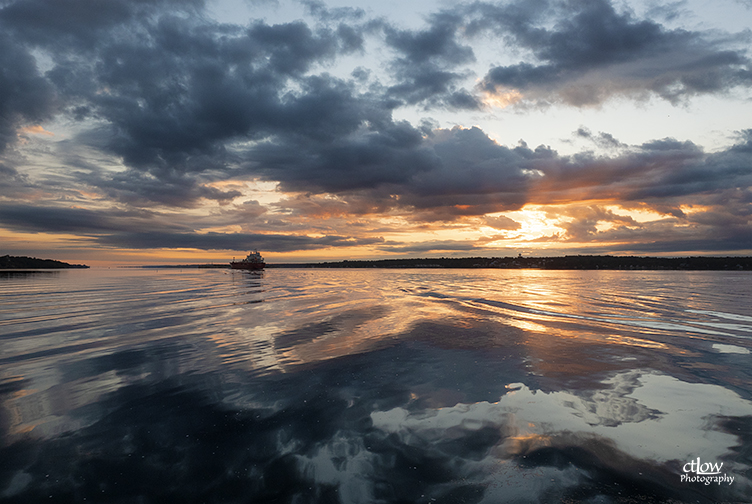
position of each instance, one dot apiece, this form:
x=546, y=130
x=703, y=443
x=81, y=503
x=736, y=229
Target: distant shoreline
x=579, y=262
x=32, y=263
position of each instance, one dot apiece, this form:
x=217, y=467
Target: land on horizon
x=23, y=262
x=580, y=262
x=573, y=262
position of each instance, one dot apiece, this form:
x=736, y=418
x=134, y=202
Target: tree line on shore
x=23, y=262
x=581, y=262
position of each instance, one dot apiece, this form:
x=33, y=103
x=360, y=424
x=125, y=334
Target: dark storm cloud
x=593, y=52
x=474, y=164
x=424, y=68
x=230, y=241
x=456, y=167
x=80, y=23
x=126, y=229
x=26, y=98
x=28, y=218
x=471, y=175
x=188, y=92
x=173, y=89
x=363, y=160
x=141, y=189
x=438, y=42
x=462, y=172
x=651, y=172
x=13, y=183
x=685, y=169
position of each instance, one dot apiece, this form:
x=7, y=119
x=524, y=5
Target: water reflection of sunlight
x=629, y=341
x=250, y=348
x=388, y=321
x=525, y=325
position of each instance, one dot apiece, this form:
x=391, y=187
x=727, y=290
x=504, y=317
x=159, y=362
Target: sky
x=164, y=131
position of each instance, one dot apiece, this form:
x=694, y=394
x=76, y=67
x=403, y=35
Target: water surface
x=374, y=385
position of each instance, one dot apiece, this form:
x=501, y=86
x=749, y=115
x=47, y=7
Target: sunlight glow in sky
x=192, y=131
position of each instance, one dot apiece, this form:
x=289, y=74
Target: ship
x=253, y=261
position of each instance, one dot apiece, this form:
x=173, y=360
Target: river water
x=373, y=385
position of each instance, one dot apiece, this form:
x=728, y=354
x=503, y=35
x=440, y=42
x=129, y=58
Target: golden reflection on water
x=345, y=312
x=388, y=322
x=525, y=325
x=565, y=321
x=629, y=341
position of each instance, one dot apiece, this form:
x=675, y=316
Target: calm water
x=375, y=386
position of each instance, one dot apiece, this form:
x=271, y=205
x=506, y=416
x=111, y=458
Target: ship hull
x=247, y=266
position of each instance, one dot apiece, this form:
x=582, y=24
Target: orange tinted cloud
x=36, y=130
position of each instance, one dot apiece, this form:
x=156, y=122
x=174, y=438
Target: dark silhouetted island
x=15, y=262
x=578, y=262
